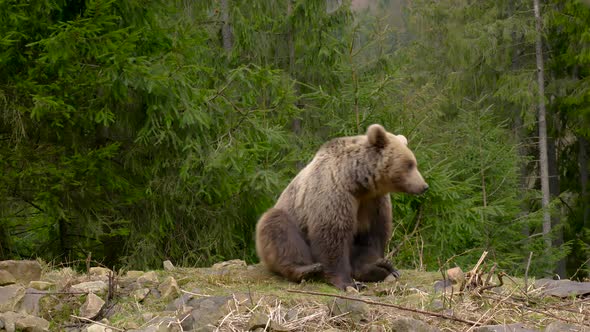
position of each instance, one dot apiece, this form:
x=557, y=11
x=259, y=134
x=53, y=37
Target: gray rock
x=407, y=324
x=101, y=272
x=206, y=312
x=563, y=327
x=163, y=324
x=148, y=278
x=180, y=302
x=140, y=294
x=97, y=287
x=6, y=278
x=376, y=328
x=92, y=307
x=22, y=271
x=234, y=263
x=169, y=288
x=10, y=296
x=168, y=266
x=516, y=327
x=441, y=285
x=40, y=285
x=134, y=274
x=29, y=304
x=349, y=310
x=155, y=292
x=257, y=320
x=97, y=328
x=563, y=288
x=22, y=322
x=261, y=321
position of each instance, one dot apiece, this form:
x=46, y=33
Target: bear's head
x=397, y=170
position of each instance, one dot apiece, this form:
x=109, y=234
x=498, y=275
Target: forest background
x=142, y=130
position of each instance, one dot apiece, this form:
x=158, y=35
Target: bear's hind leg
x=282, y=248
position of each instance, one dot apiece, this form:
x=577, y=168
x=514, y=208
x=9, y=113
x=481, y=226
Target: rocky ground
x=231, y=296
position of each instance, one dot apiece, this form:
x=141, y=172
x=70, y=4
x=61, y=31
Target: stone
x=516, y=327
x=22, y=322
x=456, y=275
x=6, y=278
x=140, y=294
x=180, y=302
x=447, y=287
x=29, y=304
x=97, y=328
x=167, y=324
x=562, y=327
x=10, y=296
x=22, y=271
x=349, y=310
x=261, y=321
x=40, y=285
x=206, y=312
x=134, y=274
x=168, y=266
x=407, y=324
x=258, y=320
x=376, y=328
x=234, y=263
x=169, y=288
x=97, y=271
x=61, y=278
x=92, y=306
x=97, y=287
x=149, y=277
x=147, y=316
x=563, y=288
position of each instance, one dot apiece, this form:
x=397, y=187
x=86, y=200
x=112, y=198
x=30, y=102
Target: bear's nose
x=425, y=189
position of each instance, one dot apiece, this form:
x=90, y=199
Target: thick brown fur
x=334, y=218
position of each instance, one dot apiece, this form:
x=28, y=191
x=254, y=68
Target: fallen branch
x=490, y=286
x=423, y=312
x=473, y=271
x=95, y=322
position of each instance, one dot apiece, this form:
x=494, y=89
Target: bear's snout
x=425, y=188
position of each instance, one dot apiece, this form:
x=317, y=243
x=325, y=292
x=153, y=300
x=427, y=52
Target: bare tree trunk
x=518, y=130
x=542, y=128
x=554, y=192
x=583, y=164
x=226, y=32
x=296, y=123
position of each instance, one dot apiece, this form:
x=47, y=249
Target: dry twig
x=95, y=322
x=423, y=312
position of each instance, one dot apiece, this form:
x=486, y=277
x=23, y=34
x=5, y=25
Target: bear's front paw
x=385, y=264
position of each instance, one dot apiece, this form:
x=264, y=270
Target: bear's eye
x=411, y=165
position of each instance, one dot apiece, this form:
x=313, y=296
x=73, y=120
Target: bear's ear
x=403, y=139
x=377, y=135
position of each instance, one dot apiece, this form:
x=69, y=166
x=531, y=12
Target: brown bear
x=334, y=218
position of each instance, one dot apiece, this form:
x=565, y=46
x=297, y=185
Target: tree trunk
x=554, y=192
x=542, y=128
x=518, y=131
x=583, y=164
x=226, y=33
x=296, y=124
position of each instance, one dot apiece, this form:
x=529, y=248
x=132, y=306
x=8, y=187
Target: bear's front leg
x=331, y=246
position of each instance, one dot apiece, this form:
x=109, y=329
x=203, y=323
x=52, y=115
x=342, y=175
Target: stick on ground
x=423, y=312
